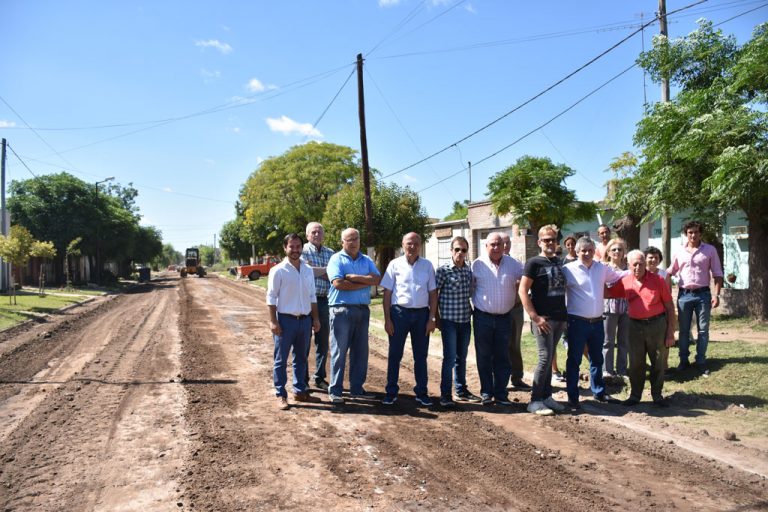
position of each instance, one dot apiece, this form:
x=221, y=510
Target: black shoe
x=520, y=385
x=467, y=396
x=630, y=402
x=600, y=398
x=321, y=384
x=703, y=370
x=684, y=365
x=660, y=402
x=575, y=406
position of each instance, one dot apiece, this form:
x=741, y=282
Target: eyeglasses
x=617, y=249
x=547, y=240
x=459, y=249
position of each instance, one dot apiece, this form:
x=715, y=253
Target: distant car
x=172, y=268
x=255, y=271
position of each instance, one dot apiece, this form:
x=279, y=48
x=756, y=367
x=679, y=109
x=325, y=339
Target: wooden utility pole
x=364, y=154
x=3, y=266
x=666, y=221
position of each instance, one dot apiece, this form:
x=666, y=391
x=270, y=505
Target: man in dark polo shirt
x=651, y=326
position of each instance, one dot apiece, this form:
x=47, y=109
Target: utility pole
x=214, y=248
x=666, y=221
x=4, y=267
x=469, y=165
x=364, y=154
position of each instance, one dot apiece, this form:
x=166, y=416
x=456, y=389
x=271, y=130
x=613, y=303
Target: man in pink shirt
x=693, y=264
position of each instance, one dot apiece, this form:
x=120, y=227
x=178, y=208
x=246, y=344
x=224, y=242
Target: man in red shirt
x=652, y=326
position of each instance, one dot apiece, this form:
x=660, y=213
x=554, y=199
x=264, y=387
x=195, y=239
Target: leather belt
x=588, y=320
x=297, y=317
x=649, y=319
x=695, y=290
x=491, y=314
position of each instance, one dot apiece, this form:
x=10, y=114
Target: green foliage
x=15, y=249
x=533, y=191
x=459, y=211
x=234, y=241
x=44, y=250
x=167, y=256
x=73, y=249
x=396, y=211
x=707, y=149
x=287, y=192
x=206, y=254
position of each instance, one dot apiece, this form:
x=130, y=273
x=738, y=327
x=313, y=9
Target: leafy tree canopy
x=459, y=211
x=287, y=192
x=533, y=191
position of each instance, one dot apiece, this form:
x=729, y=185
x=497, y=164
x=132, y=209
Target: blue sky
x=184, y=99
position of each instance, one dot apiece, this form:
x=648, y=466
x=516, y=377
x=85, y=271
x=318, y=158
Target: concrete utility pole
x=469, y=165
x=364, y=154
x=666, y=221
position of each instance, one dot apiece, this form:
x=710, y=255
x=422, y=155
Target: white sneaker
x=553, y=404
x=540, y=409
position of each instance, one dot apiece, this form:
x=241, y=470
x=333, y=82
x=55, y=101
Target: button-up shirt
x=495, y=286
x=342, y=264
x=585, y=286
x=318, y=258
x=455, y=288
x=410, y=284
x=646, y=298
x=291, y=290
x=694, y=268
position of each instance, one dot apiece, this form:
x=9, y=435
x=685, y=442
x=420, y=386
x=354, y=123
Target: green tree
x=459, y=211
x=73, y=250
x=168, y=256
x=627, y=196
x=15, y=249
x=707, y=149
x=288, y=191
x=533, y=191
x=234, y=241
x=396, y=211
x=44, y=251
x=206, y=255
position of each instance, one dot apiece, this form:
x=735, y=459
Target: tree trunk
x=628, y=228
x=757, y=303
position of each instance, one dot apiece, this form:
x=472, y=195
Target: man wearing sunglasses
x=454, y=288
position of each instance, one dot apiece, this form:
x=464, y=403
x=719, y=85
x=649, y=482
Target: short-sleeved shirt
x=694, y=268
x=548, y=287
x=318, y=258
x=410, y=284
x=342, y=264
x=454, y=286
x=495, y=287
x=292, y=291
x=585, y=286
x=645, y=298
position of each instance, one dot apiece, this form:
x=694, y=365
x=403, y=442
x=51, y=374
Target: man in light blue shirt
x=352, y=274
x=410, y=307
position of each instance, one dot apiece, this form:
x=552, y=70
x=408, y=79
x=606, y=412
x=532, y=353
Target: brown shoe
x=304, y=396
x=282, y=403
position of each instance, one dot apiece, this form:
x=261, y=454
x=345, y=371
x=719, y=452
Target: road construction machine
x=192, y=263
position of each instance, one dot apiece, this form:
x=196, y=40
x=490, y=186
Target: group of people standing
x=317, y=290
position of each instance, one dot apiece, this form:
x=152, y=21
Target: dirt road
x=161, y=399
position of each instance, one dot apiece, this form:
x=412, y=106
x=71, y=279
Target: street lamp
x=98, y=226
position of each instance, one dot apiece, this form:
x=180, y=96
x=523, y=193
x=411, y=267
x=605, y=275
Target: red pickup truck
x=255, y=271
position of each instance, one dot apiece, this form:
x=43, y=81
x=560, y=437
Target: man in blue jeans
x=694, y=264
x=454, y=289
x=585, y=284
x=292, y=318
x=496, y=277
x=352, y=274
x=410, y=306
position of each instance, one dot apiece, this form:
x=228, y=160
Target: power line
x=738, y=15
x=20, y=160
x=539, y=94
x=332, y=100
x=561, y=113
x=400, y=25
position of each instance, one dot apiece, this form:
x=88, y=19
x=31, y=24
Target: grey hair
x=584, y=243
x=636, y=252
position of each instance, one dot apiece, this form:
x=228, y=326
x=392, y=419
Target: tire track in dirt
x=248, y=456
x=82, y=447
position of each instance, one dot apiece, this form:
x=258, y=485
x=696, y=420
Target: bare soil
x=162, y=399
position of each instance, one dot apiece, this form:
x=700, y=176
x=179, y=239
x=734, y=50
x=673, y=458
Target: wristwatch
x=433, y=319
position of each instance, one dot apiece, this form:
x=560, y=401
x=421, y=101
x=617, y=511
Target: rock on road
x=162, y=399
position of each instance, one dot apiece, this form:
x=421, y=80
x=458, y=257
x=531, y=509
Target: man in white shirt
x=495, y=277
x=292, y=318
x=410, y=307
x=586, y=280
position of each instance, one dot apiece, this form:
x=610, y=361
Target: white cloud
x=288, y=126
x=212, y=75
x=259, y=160
x=470, y=9
x=409, y=178
x=7, y=124
x=388, y=3
x=236, y=129
x=214, y=43
x=242, y=101
x=167, y=189
x=256, y=85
